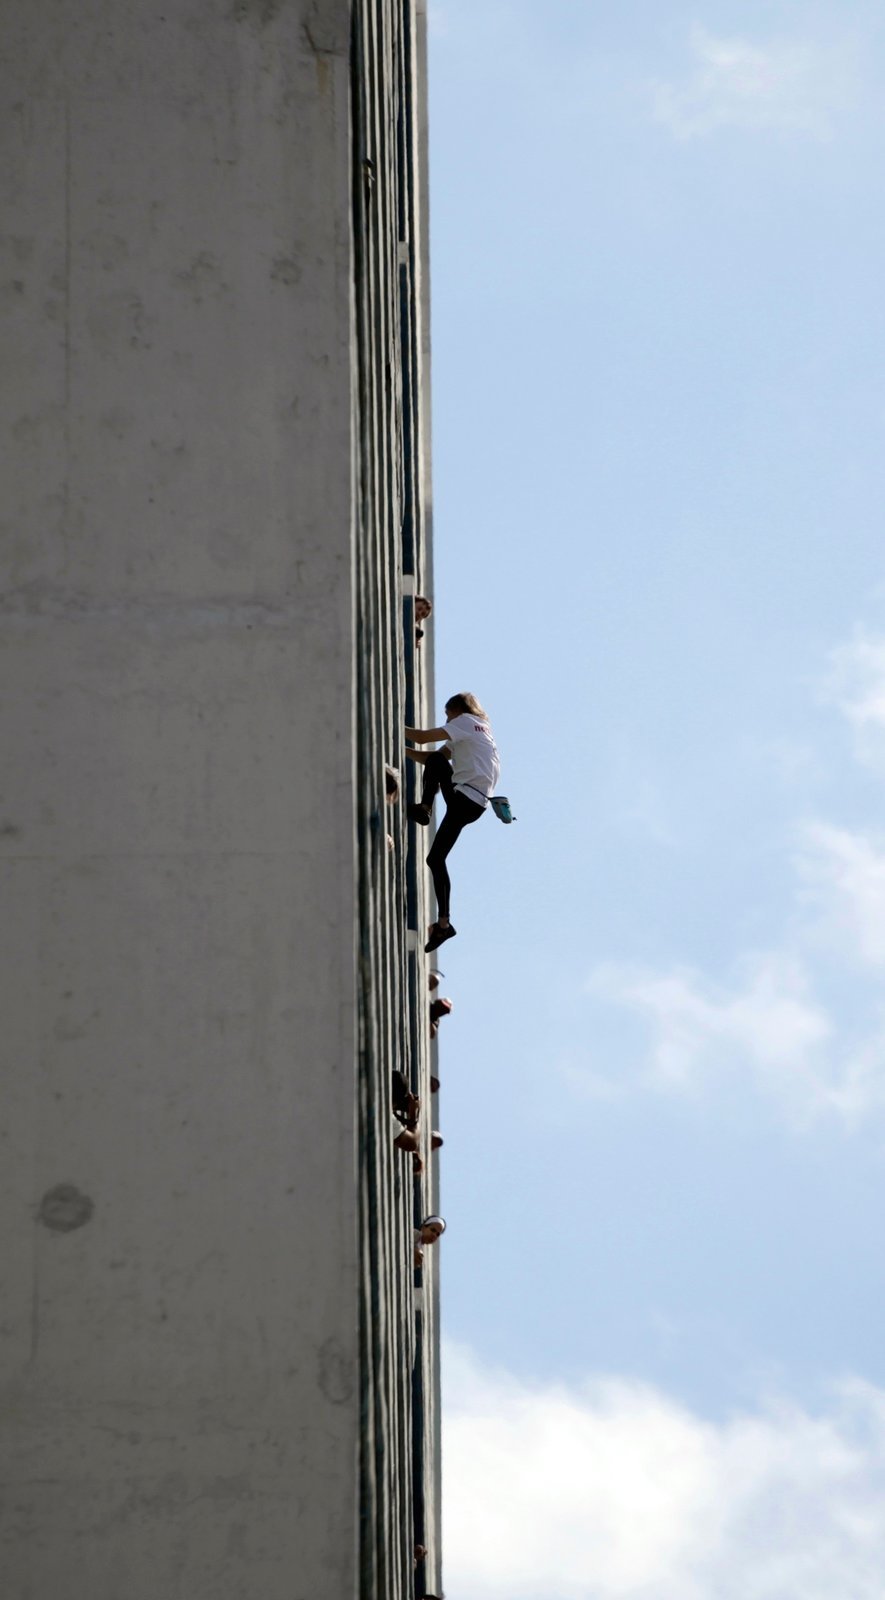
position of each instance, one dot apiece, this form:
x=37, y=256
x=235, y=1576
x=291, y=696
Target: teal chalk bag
x=501, y=807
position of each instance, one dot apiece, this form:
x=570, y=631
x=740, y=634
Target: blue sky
x=658, y=246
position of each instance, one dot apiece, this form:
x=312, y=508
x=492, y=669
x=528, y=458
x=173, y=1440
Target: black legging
x=460, y=812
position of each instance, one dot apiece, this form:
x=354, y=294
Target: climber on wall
x=467, y=781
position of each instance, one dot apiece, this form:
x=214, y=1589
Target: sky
x=657, y=254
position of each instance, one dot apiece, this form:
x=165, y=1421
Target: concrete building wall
x=179, y=1316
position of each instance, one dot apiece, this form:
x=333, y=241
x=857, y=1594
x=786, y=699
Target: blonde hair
x=466, y=704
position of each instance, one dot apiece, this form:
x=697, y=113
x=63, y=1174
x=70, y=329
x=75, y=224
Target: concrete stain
x=110, y=250
x=119, y=319
x=334, y=1372
x=68, y=1031
x=65, y=1208
x=202, y=276
x=117, y=420
x=259, y=13
x=285, y=270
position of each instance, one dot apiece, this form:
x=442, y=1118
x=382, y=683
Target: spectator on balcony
x=391, y=795
x=467, y=781
x=406, y=1139
x=439, y=1008
x=423, y=608
x=431, y=1229
x=406, y=1112
x=406, y=1105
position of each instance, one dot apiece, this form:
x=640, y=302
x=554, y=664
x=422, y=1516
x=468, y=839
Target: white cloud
x=612, y=1490
x=856, y=684
x=795, y=87
x=767, y=1023
x=844, y=876
x=766, y=1028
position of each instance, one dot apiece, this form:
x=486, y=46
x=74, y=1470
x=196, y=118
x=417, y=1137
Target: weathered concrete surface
x=178, y=1337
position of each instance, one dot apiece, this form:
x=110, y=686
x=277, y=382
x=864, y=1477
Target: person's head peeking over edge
x=431, y=1229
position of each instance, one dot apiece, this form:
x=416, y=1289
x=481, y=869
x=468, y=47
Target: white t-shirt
x=475, y=764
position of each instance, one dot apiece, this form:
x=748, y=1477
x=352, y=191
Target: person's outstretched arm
x=426, y=735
